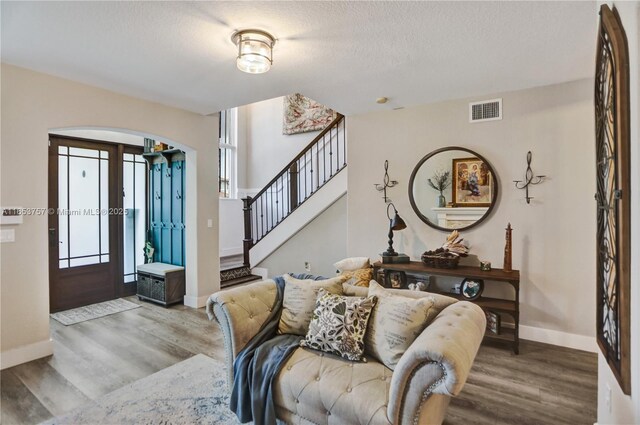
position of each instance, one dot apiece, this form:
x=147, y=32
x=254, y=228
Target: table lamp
x=390, y=256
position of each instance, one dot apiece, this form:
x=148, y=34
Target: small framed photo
x=493, y=322
x=471, y=289
x=395, y=279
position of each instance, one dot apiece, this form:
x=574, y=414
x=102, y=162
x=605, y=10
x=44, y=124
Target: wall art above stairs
x=302, y=114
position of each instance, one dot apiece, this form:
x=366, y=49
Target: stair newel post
x=247, y=243
x=293, y=186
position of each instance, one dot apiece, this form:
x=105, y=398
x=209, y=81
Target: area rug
x=93, y=311
x=193, y=391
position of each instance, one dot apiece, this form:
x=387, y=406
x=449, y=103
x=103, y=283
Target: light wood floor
x=543, y=385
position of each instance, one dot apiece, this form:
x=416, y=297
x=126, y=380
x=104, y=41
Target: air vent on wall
x=486, y=110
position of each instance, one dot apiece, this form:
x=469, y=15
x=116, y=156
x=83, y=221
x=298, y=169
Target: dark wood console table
x=507, y=306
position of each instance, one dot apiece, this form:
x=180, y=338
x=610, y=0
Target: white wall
x=32, y=105
x=231, y=224
x=626, y=409
x=553, y=237
x=241, y=148
x=322, y=243
x=268, y=150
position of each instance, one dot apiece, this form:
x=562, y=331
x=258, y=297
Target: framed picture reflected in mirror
x=472, y=183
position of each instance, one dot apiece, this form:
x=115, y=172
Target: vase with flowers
x=440, y=181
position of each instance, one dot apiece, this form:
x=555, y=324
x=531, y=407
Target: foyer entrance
x=97, y=220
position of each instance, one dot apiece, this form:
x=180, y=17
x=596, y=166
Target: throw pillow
x=339, y=324
x=352, y=263
x=360, y=277
x=299, y=300
x=395, y=323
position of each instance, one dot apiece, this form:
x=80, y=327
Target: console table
x=508, y=306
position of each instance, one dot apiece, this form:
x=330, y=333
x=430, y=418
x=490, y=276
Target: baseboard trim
x=260, y=271
x=563, y=339
x=195, y=302
x=26, y=353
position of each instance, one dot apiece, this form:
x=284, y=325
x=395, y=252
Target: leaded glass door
x=83, y=223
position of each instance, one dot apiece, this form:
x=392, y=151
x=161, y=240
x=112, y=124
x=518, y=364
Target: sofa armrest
x=240, y=313
x=438, y=362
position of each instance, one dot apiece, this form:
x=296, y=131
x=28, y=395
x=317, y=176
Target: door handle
x=52, y=235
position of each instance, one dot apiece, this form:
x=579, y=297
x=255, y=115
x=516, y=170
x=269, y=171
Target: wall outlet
x=210, y=222
x=307, y=266
x=7, y=235
x=607, y=397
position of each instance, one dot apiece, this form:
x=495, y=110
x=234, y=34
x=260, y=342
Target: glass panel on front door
x=83, y=199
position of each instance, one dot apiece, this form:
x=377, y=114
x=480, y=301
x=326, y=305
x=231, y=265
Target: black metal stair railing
x=311, y=169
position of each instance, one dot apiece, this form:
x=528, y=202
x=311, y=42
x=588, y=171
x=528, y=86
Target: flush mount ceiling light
x=255, y=50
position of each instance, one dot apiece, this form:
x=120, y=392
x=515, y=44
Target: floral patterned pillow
x=339, y=324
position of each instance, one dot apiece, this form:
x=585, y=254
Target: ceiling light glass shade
x=255, y=50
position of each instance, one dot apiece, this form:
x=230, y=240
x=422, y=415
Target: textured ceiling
x=344, y=54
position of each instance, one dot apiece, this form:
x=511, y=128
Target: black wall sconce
x=386, y=183
x=529, y=179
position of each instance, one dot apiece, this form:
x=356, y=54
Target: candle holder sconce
x=529, y=179
x=386, y=183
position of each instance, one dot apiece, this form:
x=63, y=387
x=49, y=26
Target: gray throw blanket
x=257, y=365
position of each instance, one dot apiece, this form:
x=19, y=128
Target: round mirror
x=453, y=188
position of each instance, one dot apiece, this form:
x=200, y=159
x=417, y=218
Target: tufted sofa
x=314, y=388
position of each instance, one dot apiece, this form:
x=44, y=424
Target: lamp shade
x=397, y=223
x=255, y=50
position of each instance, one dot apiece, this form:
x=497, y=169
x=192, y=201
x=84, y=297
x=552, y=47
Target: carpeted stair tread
x=235, y=272
x=228, y=267
x=239, y=280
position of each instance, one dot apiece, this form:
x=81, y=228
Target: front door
x=84, y=248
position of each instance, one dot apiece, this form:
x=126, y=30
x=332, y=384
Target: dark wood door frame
x=115, y=267
x=127, y=289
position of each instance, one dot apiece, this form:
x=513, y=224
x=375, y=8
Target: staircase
x=308, y=174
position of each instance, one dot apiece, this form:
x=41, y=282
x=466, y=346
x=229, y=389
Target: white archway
x=136, y=137
x=33, y=104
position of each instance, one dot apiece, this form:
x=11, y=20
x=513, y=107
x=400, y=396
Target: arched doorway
x=98, y=222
